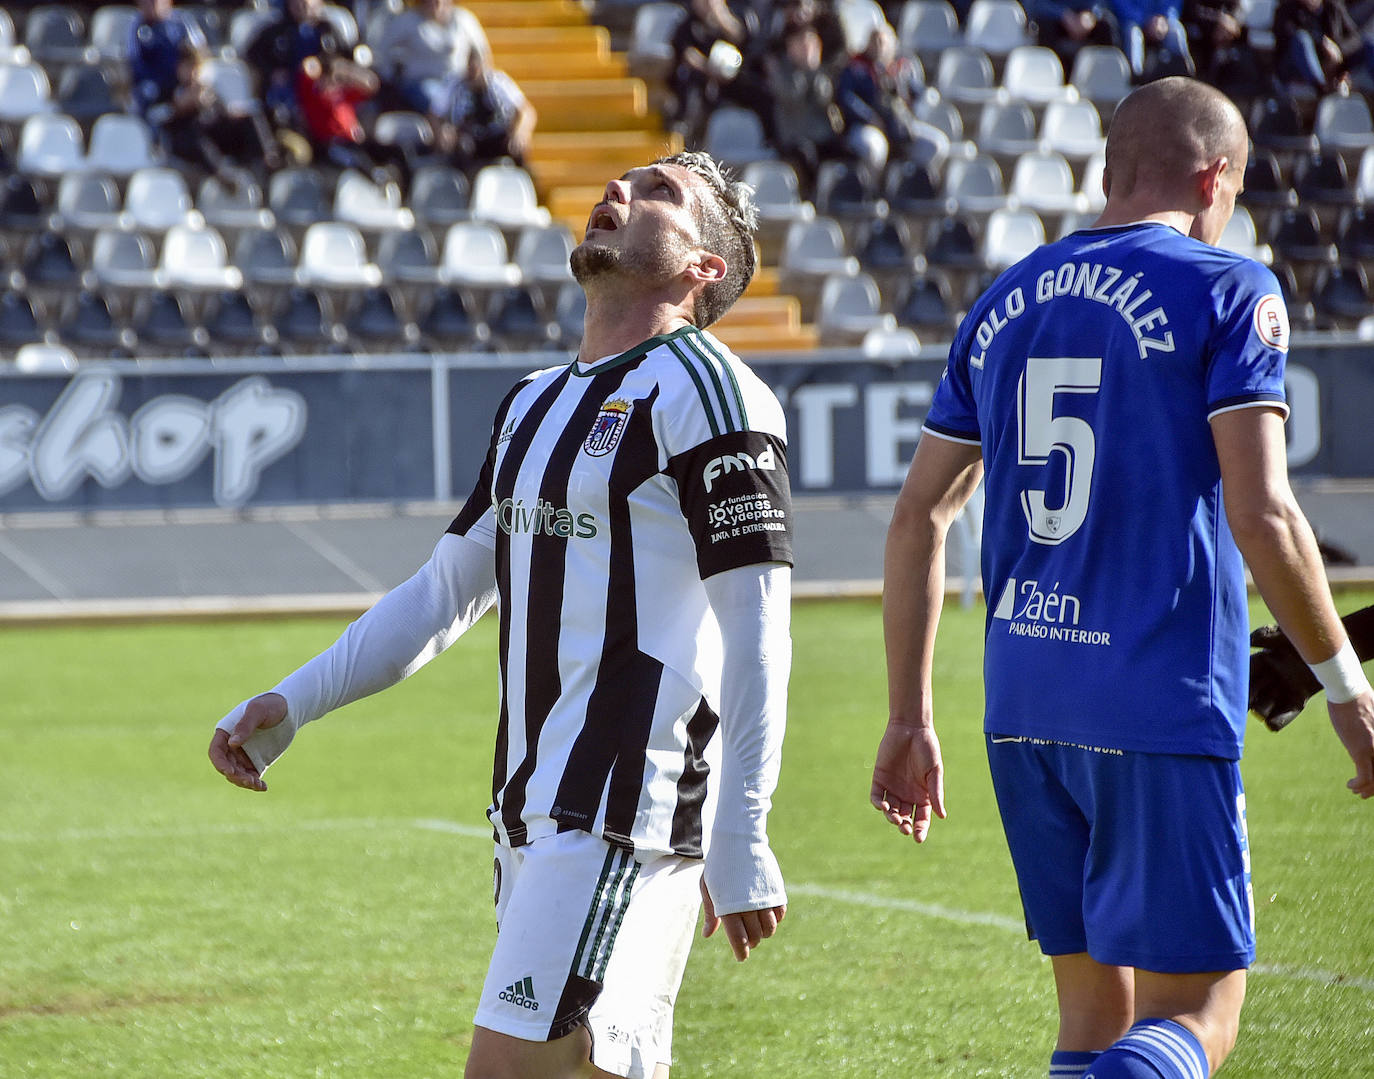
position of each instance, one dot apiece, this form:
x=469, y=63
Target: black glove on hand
x=1280, y=682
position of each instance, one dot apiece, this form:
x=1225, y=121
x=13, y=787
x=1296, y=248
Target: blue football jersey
x=1088, y=374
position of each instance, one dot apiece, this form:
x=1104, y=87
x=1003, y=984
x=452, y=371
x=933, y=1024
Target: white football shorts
x=588, y=936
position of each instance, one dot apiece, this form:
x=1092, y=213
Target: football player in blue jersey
x=1121, y=392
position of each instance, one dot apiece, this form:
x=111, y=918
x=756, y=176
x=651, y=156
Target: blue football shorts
x=1139, y=859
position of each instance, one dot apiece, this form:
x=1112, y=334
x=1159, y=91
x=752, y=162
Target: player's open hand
x=909, y=779
x=745, y=930
x=1354, y=723
x=226, y=747
x=1280, y=682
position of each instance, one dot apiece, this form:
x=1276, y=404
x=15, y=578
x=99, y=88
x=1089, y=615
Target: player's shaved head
x=1166, y=131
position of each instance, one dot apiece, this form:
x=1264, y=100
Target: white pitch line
x=1325, y=978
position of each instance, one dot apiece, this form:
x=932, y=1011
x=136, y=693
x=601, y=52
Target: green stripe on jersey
x=701, y=388
x=704, y=345
x=621, y=908
x=596, y=902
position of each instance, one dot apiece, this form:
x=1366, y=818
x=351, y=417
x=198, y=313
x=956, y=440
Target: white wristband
x=1342, y=676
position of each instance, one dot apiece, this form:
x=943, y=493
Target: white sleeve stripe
x=1278, y=406
x=949, y=438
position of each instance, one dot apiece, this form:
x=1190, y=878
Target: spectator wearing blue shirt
x=156, y=40
x=277, y=51
x=1067, y=25
x=1154, y=37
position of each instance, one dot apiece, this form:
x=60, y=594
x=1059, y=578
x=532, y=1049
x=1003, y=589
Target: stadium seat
x=1277, y=124
x=369, y=206
x=504, y=196
x=439, y=196
x=1011, y=235
x=1091, y=186
x=163, y=326
x=516, y=323
x=845, y=191
x=296, y=197
x=87, y=93
x=411, y=132
x=231, y=205
x=305, y=323
x=891, y=345
x=1241, y=237
x=569, y=312
x=22, y=209
x=777, y=194
x=735, y=137
x=926, y=28
x=887, y=254
x=913, y=190
x=120, y=145
x=18, y=322
x=965, y=77
x=232, y=324
x=266, y=257
x=24, y=92
x=952, y=244
x=345, y=26
x=1321, y=179
x=929, y=144
x=1344, y=123
x=1341, y=297
x=50, y=145
x=408, y=258
x=1102, y=75
x=1074, y=222
x=232, y=82
x=123, y=261
x=90, y=326
x=816, y=248
x=333, y=255
x=194, y=258
x=944, y=117
x=925, y=306
x=11, y=52
x=996, y=26
x=1072, y=128
x=109, y=33
x=475, y=258
x=1043, y=182
x=50, y=266
x=1006, y=130
x=1355, y=236
x=244, y=25
x=1364, y=179
x=1034, y=75
x=974, y=185
x=1296, y=237
x=650, y=51
x=89, y=201
x=541, y=253
x=448, y=322
x=858, y=19
x=1264, y=186
x=849, y=306
x=209, y=20
x=55, y=35
x=378, y=324
x=157, y=198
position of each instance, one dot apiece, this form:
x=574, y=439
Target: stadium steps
x=595, y=123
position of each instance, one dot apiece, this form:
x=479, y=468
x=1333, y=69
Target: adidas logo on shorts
x=521, y=994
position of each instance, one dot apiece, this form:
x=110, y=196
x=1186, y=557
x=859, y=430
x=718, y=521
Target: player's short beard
x=591, y=260
x=660, y=262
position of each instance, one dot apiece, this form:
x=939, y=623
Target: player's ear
x=1209, y=180
x=707, y=267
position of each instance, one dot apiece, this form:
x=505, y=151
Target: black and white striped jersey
x=609, y=493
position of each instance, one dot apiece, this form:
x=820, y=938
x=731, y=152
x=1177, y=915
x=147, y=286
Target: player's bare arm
x=908, y=775
x=1281, y=551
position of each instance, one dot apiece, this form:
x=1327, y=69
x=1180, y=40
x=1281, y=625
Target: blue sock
x=1152, y=1049
x=1066, y=1065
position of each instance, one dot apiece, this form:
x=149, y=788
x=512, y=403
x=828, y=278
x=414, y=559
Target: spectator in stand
x=807, y=125
x=778, y=20
x=1220, y=47
x=277, y=51
x=201, y=131
x=876, y=93
x=492, y=119
x=1315, y=42
x=1153, y=37
x=156, y=39
x=708, y=54
x=1067, y=25
x=329, y=90
x=425, y=52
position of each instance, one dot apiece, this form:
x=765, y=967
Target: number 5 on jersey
x=1042, y=434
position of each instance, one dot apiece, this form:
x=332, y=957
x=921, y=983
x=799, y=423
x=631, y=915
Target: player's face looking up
x=644, y=230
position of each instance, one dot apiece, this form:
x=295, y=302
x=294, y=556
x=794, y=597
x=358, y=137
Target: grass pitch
x=156, y=922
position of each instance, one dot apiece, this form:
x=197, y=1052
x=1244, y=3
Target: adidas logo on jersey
x=736, y=462
x=521, y=994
